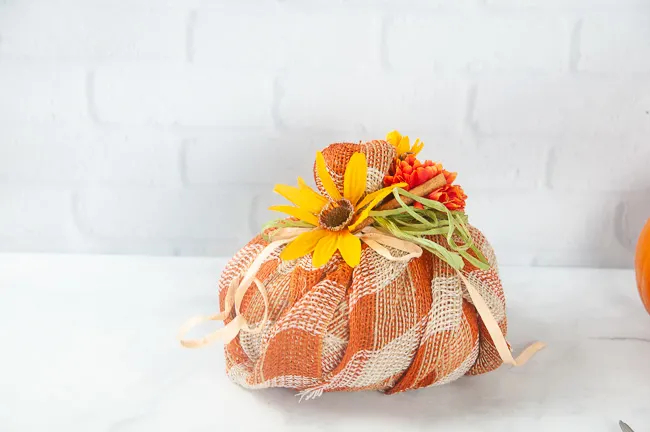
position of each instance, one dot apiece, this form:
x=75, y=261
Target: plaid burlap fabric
x=384, y=325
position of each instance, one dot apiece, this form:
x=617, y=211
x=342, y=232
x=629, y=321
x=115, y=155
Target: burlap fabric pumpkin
x=383, y=325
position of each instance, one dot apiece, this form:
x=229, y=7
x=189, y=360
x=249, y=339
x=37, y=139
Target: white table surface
x=88, y=344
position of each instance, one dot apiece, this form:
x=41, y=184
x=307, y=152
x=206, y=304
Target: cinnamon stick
x=422, y=190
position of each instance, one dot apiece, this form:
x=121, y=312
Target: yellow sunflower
x=402, y=143
x=334, y=219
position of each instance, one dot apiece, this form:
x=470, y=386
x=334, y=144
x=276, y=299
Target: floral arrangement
x=425, y=203
x=374, y=281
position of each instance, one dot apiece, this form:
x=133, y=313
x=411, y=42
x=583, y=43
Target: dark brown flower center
x=336, y=215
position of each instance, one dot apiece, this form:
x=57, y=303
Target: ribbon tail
x=529, y=352
x=265, y=297
x=234, y=297
x=225, y=334
x=494, y=330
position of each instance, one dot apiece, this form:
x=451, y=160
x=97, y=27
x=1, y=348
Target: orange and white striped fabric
x=384, y=325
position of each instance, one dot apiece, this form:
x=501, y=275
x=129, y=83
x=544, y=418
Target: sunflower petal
x=325, y=178
x=301, y=198
x=370, y=197
x=311, y=194
x=302, y=245
x=417, y=147
x=325, y=249
x=404, y=145
x=298, y=212
x=354, y=180
x=394, y=138
x=350, y=248
x=378, y=196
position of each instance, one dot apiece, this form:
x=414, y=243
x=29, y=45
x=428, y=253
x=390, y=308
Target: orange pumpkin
x=642, y=265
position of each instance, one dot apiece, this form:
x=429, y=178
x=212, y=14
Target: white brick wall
x=441, y=41
x=159, y=127
x=272, y=36
x=183, y=95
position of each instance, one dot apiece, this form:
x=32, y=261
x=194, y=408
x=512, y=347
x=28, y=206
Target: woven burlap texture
x=384, y=325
